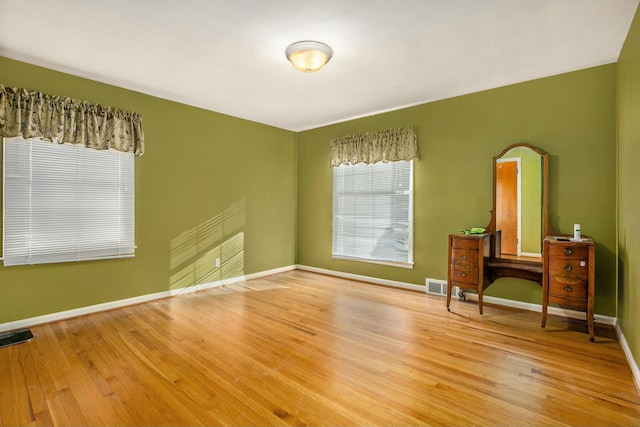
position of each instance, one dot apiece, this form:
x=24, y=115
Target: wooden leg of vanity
x=590, y=325
x=545, y=282
x=591, y=291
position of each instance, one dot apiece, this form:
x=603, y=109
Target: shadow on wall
x=209, y=252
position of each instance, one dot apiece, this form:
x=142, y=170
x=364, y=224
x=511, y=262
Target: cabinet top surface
x=469, y=236
x=554, y=240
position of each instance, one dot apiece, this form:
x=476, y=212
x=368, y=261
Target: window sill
x=408, y=265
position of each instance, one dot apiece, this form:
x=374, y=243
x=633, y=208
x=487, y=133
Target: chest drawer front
x=569, y=271
x=462, y=243
x=568, y=251
x=464, y=256
x=464, y=273
x=574, y=303
x=562, y=289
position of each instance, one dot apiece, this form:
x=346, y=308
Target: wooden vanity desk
x=515, y=243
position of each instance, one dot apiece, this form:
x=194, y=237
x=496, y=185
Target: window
x=66, y=203
x=373, y=212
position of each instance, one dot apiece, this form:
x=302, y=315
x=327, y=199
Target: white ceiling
x=228, y=55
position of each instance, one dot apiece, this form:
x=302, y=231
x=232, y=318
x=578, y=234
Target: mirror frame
x=546, y=227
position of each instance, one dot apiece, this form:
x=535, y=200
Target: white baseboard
x=68, y=314
x=229, y=281
x=630, y=359
x=368, y=279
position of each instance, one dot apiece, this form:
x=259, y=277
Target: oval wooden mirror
x=520, y=215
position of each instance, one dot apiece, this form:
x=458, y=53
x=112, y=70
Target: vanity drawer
x=465, y=256
x=569, y=270
x=465, y=285
x=464, y=273
x=568, y=251
x=464, y=243
x=574, y=303
x=559, y=288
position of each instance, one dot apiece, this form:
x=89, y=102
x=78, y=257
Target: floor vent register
x=15, y=337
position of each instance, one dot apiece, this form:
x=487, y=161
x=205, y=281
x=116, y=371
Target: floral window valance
x=30, y=114
x=390, y=145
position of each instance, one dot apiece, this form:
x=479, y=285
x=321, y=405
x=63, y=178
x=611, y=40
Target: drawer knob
x=567, y=288
x=463, y=257
x=567, y=268
x=463, y=274
x=567, y=251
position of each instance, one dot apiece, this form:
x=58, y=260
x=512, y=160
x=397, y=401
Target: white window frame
x=65, y=203
x=338, y=250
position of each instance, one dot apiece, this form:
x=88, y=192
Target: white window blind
x=66, y=203
x=373, y=212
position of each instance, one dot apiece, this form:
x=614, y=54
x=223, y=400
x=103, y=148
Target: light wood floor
x=300, y=348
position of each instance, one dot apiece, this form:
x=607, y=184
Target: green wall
x=629, y=188
x=571, y=116
x=209, y=186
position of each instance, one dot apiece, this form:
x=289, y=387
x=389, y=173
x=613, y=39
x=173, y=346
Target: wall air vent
x=439, y=287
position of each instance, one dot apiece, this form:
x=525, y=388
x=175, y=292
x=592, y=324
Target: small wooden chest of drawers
x=468, y=254
x=568, y=277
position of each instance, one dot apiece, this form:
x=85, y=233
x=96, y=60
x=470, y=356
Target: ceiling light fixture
x=308, y=56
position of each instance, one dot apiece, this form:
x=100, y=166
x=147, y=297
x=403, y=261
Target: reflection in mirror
x=518, y=203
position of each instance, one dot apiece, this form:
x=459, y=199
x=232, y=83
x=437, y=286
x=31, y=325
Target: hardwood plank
x=8, y=412
x=21, y=400
x=300, y=348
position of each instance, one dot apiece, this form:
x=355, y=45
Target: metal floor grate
x=15, y=337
